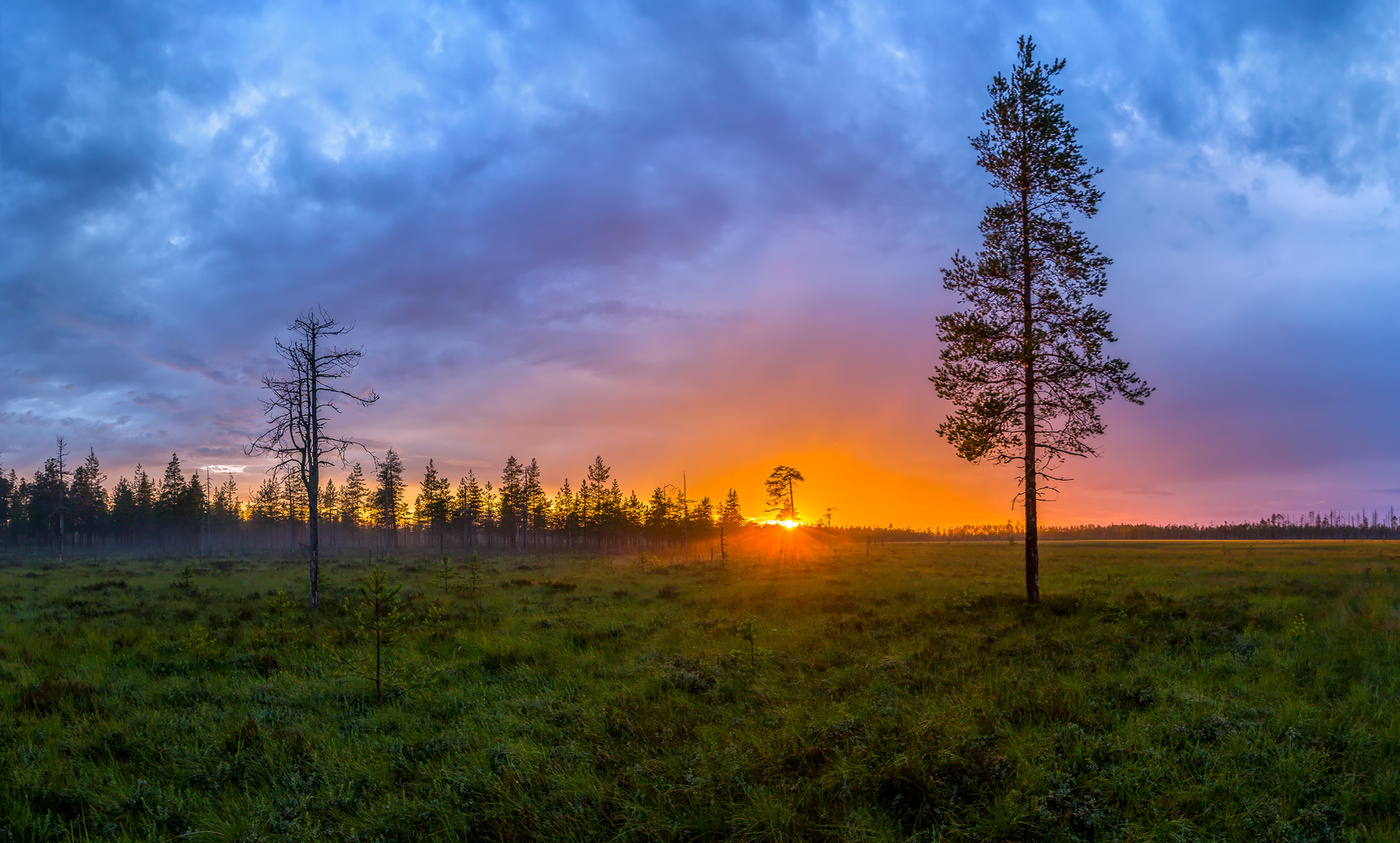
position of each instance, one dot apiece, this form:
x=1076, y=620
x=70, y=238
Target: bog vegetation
x=802, y=690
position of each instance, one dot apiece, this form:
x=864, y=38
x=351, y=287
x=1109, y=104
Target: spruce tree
x=1023, y=363
x=592, y=497
x=703, y=515
x=535, y=500
x=124, y=510
x=470, y=504
x=226, y=512
x=44, y=498
x=89, y=498
x=172, y=494
x=266, y=507
x=193, y=504
x=388, y=496
x=512, y=499
x=434, y=503
x=730, y=516
x=658, y=517
x=330, y=507
x=565, y=513
x=354, y=497
x=145, y=490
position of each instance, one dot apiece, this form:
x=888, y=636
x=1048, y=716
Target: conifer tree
x=658, y=517
x=44, y=500
x=781, y=486
x=266, y=508
x=226, y=513
x=1024, y=364
x=171, y=495
x=536, y=502
x=730, y=517
x=192, y=504
x=295, y=506
x=490, y=509
x=593, y=493
x=512, y=499
x=330, y=506
x=703, y=515
x=124, y=509
x=354, y=498
x=611, y=509
x=565, y=512
x=89, y=498
x=470, y=505
x=388, y=496
x=434, y=503
x=632, y=512
x=145, y=490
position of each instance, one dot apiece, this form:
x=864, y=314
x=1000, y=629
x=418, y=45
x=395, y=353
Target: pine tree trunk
x=1032, y=537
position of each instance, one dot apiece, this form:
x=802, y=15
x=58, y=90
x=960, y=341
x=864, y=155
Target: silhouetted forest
x=181, y=512
x=196, y=512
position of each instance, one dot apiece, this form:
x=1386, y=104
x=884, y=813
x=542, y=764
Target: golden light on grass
x=779, y=541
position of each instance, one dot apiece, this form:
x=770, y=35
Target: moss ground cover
x=1162, y=691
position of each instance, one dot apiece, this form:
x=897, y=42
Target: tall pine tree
x=1024, y=364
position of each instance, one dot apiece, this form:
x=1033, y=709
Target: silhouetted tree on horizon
x=434, y=504
x=1024, y=363
x=730, y=516
x=388, y=496
x=354, y=499
x=470, y=503
x=89, y=498
x=781, y=487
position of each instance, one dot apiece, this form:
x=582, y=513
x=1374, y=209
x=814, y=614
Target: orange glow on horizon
x=790, y=524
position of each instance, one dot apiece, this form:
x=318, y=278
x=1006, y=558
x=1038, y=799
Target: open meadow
x=1162, y=691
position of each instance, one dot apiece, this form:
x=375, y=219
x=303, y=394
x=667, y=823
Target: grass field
x=1163, y=691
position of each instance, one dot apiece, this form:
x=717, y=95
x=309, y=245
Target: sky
x=698, y=239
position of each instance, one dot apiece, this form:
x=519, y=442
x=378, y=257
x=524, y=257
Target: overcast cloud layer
x=697, y=237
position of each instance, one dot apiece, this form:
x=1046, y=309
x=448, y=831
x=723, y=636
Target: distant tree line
x=1314, y=525
x=180, y=512
x=1334, y=526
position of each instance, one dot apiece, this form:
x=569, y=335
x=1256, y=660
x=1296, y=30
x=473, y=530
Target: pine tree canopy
x=1024, y=362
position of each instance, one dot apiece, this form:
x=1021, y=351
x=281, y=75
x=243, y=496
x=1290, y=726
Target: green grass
x=1163, y=691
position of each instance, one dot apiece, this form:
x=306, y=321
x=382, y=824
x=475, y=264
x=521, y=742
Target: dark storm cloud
x=489, y=190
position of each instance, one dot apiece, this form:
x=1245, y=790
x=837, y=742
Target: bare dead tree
x=62, y=507
x=298, y=407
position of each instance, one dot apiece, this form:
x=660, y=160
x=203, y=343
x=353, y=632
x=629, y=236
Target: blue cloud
x=484, y=187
